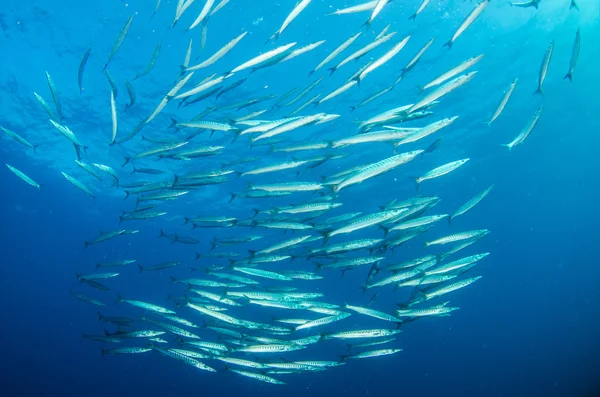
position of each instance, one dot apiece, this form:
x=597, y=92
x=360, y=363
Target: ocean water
x=529, y=327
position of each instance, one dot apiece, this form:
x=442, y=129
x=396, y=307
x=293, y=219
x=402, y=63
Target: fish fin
x=539, y=91
x=85, y=244
x=198, y=256
x=507, y=145
x=141, y=268
x=332, y=70
x=448, y=44
x=450, y=221
x=119, y=298
x=417, y=182
x=569, y=76
x=573, y=5
x=127, y=160
x=186, y=220
x=413, y=17
x=233, y=196
x=35, y=148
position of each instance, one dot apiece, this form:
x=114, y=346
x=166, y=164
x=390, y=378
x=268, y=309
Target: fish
x=125, y=350
x=222, y=4
x=203, y=16
x=217, y=55
x=457, y=237
x=426, y=131
x=544, y=67
x=66, y=132
x=526, y=131
x=413, y=62
x=373, y=353
x=89, y=300
x=376, y=169
x=24, y=177
x=335, y=53
x=470, y=204
x=156, y=7
x=419, y=10
x=574, y=55
x=79, y=185
x=132, y=95
x=55, y=97
x=367, y=6
x=113, y=112
x=362, y=334
x=298, y=8
x=45, y=105
x=455, y=71
x=456, y=265
x=323, y=321
x=372, y=97
x=376, y=10
x=574, y=5
x=262, y=58
x=507, y=94
x=119, y=41
x=445, y=289
x=467, y=22
x=441, y=91
x=151, y=64
x=525, y=4
x=82, y=65
x=144, y=305
x=107, y=236
x=362, y=52
x=384, y=59
x=19, y=139
x=257, y=376
x=440, y=171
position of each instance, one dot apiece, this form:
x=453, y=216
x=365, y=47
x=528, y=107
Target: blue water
x=529, y=327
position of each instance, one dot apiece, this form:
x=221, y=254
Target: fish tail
x=539, y=91
x=413, y=17
x=119, y=298
x=573, y=5
x=507, y=145
x=127, y=160
x=186, y=220
x=85, y=244
x=332, y=70
x=448, y=44
x=120, y=219
x=198, y=256
x=417, y=181
x=568, y=76
x=35, y=148
x=233, y=195
x=450, y=221
x=141, y=268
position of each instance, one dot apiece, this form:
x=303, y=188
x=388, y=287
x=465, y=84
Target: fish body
x=574, y=54
x=453, y=238
x=300, y=6
x=507, y=94
x=526, y=131
x=82, y=65
x=119, y=41
x=468, y=22
x=440, y=171
x=23, y=177
x=544, y=67
x=471, y=203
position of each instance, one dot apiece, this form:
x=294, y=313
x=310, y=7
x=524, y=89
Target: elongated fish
x=55, y=97
x=132, y=95
x=257, y=376
x=467, y=22
x=362, y=52
x=23, y=176
x=440, y=171
x=219, y=54
x=453, y=72
x=470, y=204
x=544, y=67
x=367, y=6
x=19, y=139
x=442, y=91
x=119, y=41
x=453, y=238
x=376, y=169
x=376, y=11
x=78, y=185
x=45, y=105
x=336, y=52
x=300, y=6
x=525, y=4
x=151, y=64
x=384, y=58
x=526, y=131
x=263, y=57
x=113, y=113
x=82, y=64
x=504, y=101
x=204, y=14
x=413, y=62
x=419, y=10
x=574, y=56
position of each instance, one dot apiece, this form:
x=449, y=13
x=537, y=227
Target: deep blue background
x=529, y=327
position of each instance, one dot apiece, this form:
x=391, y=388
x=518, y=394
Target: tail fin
x=119, y=298
x=198, y=256
x=173, y=279
x=539, y=91
x=448, y=44
x=86, y=244
x=573, y=5
x=417, y=181
x=233, y=196
x=413, y=17
x=127, y=160
x=35, y=148
x=141, y=268
x=507, y=145
x=162, y=234
x=186, y=220
x=569, y=76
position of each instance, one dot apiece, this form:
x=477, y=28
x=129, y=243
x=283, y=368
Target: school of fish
x=210, y=320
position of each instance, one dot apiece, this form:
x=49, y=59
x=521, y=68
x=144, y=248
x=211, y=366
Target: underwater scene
x=300, y=198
